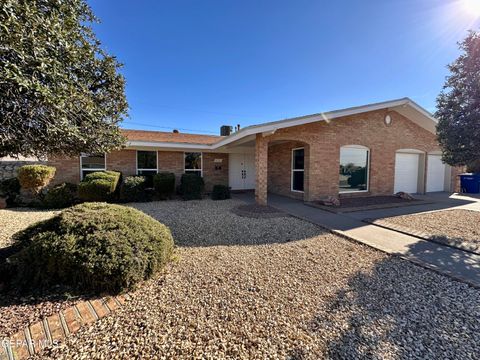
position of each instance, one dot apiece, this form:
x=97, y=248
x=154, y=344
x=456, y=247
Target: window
x=91, y=163
x=298, y=169
x=146, y=163
x=354, y=168
x=147, y=166
x=193, y=163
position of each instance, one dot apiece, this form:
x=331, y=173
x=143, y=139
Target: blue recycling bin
x=470, y=183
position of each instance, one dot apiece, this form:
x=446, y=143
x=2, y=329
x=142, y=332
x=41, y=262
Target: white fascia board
x=170, y=145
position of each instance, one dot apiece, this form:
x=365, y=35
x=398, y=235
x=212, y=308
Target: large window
x=298, y=169
x=91, y=163
x=147, y=166
x=146, y=163
x=193, y=163
x=354, y=168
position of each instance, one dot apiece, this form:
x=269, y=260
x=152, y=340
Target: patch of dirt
x=257, y=211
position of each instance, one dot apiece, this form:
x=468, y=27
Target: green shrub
x=93, y=246
x=220, y=192
x=99, y=186
x=133, y=189
x=191, y=186
x=35, y=177
x=104, y=175
x=9, y=189
x=96, y=190
x=61, y=196
x=164, y=184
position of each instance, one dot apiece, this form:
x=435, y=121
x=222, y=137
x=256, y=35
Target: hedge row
x=104, y=186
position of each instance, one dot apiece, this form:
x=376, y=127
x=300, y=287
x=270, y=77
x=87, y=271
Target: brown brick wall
x=124, y=161
x=215, y=173
x=325, y=139
x=68, y=169
x=280, y=168
x=171, y=161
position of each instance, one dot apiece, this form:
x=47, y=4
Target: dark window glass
x=298, y=159
x=93, y=161
x=193, y=161
x=353, y=169
x=147, y=160
x=297, y=181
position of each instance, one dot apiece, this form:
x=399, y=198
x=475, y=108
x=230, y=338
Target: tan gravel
x=13, y=220
x=271, y=298
x=208, y=222
x=458, y=227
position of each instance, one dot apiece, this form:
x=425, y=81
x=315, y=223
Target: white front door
x=406, y=173
x=241, y=171
x=435, y=173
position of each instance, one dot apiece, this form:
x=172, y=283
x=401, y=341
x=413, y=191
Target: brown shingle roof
x=162, y=136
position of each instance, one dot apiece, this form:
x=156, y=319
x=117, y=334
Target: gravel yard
x=208, y=222
x=13, y=220
x=273, y=297
x=459, y=228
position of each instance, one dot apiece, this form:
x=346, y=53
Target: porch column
x=261, y=168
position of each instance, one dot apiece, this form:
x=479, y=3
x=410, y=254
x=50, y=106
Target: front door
x=241, y=171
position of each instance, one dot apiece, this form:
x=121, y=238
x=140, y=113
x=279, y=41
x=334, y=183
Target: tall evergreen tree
x=458, y=107
x=60, y=92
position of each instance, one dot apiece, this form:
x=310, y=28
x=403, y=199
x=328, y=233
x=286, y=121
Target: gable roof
x=169, y=137
x=403, y=106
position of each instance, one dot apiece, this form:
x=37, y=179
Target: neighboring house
x=376, y=149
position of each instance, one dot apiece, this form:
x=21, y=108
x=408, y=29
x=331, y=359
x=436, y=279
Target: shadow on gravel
x=400, y=310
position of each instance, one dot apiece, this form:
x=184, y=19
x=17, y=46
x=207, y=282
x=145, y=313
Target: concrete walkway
x=456, y=263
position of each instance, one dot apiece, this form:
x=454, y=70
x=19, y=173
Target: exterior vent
x=225, y=130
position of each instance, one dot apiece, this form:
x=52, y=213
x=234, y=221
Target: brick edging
x=49, y=331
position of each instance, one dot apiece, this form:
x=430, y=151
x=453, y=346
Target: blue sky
x=198, y=64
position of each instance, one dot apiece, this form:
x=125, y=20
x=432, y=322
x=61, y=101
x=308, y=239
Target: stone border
x=383, y=223
x=49, y=331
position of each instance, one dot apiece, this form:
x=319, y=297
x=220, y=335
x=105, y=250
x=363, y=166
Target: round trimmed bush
x=164, y=184
x=96, y=190
x=220, y=192
x=93, y=246
x=35, y=177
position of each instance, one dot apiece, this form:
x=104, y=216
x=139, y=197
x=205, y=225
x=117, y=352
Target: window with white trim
x=146, y=163
x=298, y=169
x=92, y=163
x=193, y=163
x=354, y=168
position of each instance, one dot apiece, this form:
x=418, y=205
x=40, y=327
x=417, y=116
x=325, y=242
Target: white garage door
x=435, y=173
x=406, y=172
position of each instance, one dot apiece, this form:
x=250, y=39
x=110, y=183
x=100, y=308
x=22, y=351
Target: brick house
x=375, y=149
